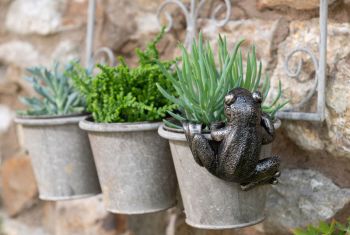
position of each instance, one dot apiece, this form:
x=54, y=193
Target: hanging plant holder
x=210, y=202
x=134, y=165
x=61, y=157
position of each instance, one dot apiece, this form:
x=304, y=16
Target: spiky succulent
x=202, y=83
x=57, y=96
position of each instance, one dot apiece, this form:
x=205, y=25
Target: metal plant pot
x=134, y=166
x=209, y=202
x=61, y=157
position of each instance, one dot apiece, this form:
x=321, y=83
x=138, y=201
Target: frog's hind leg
x=202, y=150
x=191, y=130
x=266, y=172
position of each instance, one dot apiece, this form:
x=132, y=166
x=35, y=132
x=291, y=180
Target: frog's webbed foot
x=191, y=130
x=266, y=172
x=273, y=180
x=268, y=134
x=202, y=151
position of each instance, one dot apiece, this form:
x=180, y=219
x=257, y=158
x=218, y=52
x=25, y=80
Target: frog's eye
x=229, y=99
x=257, y=97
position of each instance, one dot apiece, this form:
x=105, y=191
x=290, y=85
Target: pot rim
x=180, y=136
x=91, y=126
x=49, y=120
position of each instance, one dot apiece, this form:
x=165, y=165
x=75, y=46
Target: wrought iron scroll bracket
x=104, y=52
x=192, y=14
x=319, y=86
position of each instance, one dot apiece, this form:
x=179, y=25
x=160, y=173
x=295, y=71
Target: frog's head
x=243, y=106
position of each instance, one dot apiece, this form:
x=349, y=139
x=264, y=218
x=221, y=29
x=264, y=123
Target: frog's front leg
x=266, y=172
x=201, y=149
x=268, y=132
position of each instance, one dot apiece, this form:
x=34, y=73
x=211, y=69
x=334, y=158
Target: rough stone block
x=35, y=16
x=19, y=53
x=261, y=33
x=335, y=134
x=303, y=197
x=85, y=217
x=296, y=4
x=19, y=189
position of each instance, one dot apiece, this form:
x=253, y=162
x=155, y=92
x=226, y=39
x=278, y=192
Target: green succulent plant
x=125, y=94
x=57, y=95
x=324, y=228
x=202, y=83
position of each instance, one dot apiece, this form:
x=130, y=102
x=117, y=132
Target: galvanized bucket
x=134, y=166
x=61, y=157
x=209, y=202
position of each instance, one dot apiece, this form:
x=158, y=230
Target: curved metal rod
x=296, y=74
x=106, y=52
x=227, y=15
x=192, y=14
x=168, y=16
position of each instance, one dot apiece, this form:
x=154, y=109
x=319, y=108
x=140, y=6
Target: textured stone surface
x=35, y=32
x=34, y=221
x=35, y=16
x=297, y=4
x=292, y=156
x=254, y=31
x=334, y=135
x=338, y=103
x=13, y=227
x=120, y=23
x=5, y=118
x=303, y=197
x=84, y=217
x=19, y=189
x=19, y=53
x=66, y=51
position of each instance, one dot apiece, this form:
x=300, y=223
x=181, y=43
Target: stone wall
x=315, y=183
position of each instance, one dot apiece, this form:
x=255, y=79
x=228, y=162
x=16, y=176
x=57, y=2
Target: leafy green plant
x=333, y=228
x=201, y=83
x=57, y=95
x=124, y=94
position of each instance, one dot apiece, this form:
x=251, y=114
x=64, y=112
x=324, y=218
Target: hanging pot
x=210, y=202
x=61, y=157
x=134, y=166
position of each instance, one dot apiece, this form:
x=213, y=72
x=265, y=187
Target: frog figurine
x=232, y=154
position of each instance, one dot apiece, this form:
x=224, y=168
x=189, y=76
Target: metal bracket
x=320, y=75
x=90, y=56
x=320, y=66
x=192, y=15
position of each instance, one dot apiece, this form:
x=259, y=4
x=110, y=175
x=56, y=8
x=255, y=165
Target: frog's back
x=239, y=158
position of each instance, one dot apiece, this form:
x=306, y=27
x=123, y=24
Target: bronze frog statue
x=233, y=152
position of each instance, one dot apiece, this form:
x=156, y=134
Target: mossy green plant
x=125, y=94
